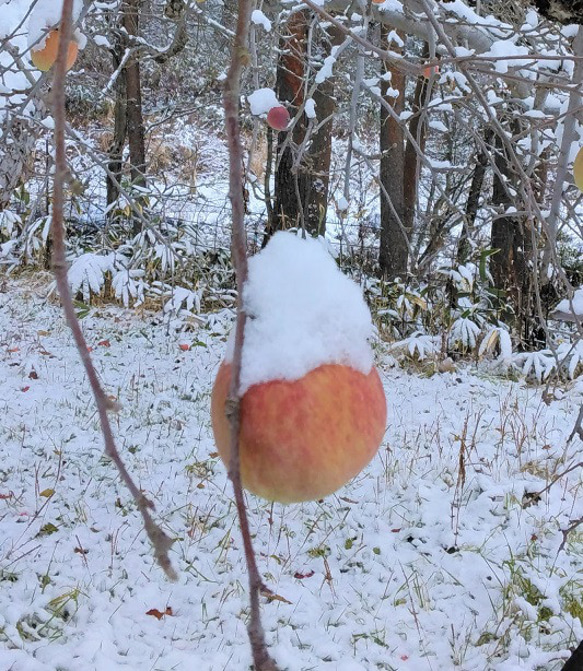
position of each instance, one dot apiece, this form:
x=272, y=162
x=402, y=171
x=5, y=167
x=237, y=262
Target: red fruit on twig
x=278, y=118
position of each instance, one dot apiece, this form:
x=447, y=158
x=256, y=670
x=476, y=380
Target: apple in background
x=278, y=118
x=301, y=440
x=578, y=169
x=430, y=70
x=44, y=58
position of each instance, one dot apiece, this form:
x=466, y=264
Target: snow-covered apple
x=44, y=57
x=303, y=439
x=313, y=409
x=578, y=169
x=278, y=117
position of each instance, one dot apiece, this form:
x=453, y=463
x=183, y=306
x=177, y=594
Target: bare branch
x=239, y=56
x=160, y=541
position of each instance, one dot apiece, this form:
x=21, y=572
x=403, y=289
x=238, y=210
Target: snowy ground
x=411, y=566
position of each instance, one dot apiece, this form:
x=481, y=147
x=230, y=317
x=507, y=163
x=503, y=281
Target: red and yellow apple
x=278, y=117
x=45, y=57
x=578, y=169
x=301, y=440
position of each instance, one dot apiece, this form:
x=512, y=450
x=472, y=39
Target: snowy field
x=439, y=556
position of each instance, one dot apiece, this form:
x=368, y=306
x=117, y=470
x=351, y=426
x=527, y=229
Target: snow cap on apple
x=265, y=102
x=313, y=410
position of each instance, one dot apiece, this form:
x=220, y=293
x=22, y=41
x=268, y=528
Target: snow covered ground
x=439, y=556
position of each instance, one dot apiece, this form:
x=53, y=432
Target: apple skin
x=44, y=58
x=278, y=118
x=578, y=169
x=301, y=440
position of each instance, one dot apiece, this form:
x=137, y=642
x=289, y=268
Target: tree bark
x=393, y=253
x=512, y=266
x=135, y=119
x=115, y=165
x=291, y=183
x=464, y=247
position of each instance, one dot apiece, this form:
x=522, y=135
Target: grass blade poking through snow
x=160, y=541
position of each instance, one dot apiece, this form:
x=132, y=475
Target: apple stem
x=160, y=541
x=239, y=57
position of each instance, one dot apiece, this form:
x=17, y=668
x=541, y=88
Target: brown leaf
x=104, y=343
x=33, y=375
x=158, y=614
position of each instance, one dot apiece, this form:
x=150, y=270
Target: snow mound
x=302, y=313
x=571, y=308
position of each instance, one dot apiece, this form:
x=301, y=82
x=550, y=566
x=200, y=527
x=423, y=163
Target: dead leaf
x=104, y=343
x=47, y=493
x=301, y=576
x=13, y=350
x=33, y=375
x=24, y=388
x=43, y=333
x=184, y=347
x=158, y=614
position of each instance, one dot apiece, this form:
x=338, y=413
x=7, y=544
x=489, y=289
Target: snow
x=410, y=569
x=262, y=100
x=572, y=307
x=310, y=108
x=259, y=18
x=46, y=14
x=326, y=71
x=299, y=303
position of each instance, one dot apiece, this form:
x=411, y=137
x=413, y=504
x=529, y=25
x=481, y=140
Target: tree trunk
x=135, y=120
x=512, y=266
x=291, y=183
x=115, y=163
x=464, y=248
x=393, y=254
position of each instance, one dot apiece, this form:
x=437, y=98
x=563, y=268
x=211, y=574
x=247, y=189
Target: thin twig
x=261, y=659
x=160, y=541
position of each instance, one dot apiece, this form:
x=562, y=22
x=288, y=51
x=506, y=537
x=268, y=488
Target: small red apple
x=430, y=70
x=303, y=439
x=278, y=117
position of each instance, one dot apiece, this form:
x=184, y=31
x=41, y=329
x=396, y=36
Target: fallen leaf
x=43, y=333
x=3, y=497
x=104, y=343
x=47, y=493
x=48, y=529
x=33, y=375
x=301, y=576
x=24, y=388
x=14, y=349
x=89, y=349
x=81, y=551
x=158, y=614
x=213, y=455
x=184, y=347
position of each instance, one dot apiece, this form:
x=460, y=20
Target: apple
x=578, y=169
x=278, y=117
x=44, y=58
x=430, y=70
x=301, y=440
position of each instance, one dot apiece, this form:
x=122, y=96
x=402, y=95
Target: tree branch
x=160, y=541
x=239, y=57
